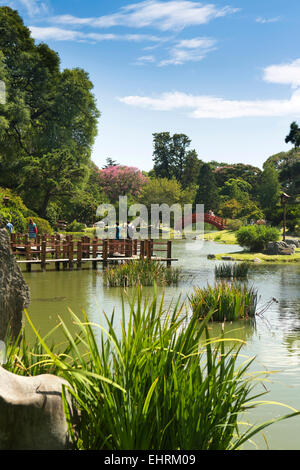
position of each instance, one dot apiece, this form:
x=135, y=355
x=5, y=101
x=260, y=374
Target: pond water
x=274, y=340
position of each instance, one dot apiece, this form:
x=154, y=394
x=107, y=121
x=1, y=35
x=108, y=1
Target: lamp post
x=284, y=198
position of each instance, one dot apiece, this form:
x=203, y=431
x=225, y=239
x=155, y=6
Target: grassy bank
x=222, y=236
x=262, y=257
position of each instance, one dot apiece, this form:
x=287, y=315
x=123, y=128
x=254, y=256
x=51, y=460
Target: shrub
x=13, y=210
x=43, y=226
x=14, y=216
x=234, y=224
x=75, y=226
x=256, y=237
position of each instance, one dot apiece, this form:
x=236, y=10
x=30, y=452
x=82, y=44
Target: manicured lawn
x=222, y=236
x=246, y=256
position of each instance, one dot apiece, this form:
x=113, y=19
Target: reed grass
x=144, y=272
x=160, y=384
x=232, y=271
x=227, y=301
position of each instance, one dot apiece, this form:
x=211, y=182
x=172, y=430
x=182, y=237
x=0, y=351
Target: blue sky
x=225, y=73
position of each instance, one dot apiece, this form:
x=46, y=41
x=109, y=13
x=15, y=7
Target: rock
x=295, y=242
x=226, y=258
x=31, y=413
x=280, y=248
x=257, y=260
x=211, y=256
x=14, y=292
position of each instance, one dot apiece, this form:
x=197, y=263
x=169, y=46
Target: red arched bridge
x=218, y=222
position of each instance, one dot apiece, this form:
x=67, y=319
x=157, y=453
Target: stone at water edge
x=14, y=292
x=31, y=413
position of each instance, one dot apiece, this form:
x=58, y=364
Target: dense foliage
x=49, y=121
x=120, y=180
x=256, y=237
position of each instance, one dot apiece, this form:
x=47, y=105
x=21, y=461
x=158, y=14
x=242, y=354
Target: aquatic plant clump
x=227, y=301
x=141, y=272
x=234, y=271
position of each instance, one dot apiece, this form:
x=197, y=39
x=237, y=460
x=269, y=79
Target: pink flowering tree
x=121, y=180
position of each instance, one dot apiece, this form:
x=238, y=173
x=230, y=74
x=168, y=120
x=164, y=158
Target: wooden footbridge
x=67, y=253
x=212, y=219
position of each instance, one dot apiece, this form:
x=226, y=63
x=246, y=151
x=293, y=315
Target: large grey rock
x=280, y=248
x=31, y=413
x=14, y=292
x=291, y=241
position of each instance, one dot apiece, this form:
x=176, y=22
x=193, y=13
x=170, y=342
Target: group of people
x=32, y=229
x=129, y=230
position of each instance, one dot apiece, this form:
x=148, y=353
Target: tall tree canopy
x=294, y=135
x=173, y=159
x=121, y=180
x=287, y=165
x=207, y=192
x=49, y=120
x=248, y=173
x=269, y=190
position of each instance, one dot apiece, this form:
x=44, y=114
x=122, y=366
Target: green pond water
x=274, y=339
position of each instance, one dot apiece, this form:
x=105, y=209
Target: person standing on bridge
x=118, y=231
x=32, y=230
x=130, y=230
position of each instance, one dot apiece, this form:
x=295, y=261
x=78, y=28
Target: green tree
x=287, y=164
x=173, y=159
x=162, y=155
x=269, y=190
x=51, y=176
x=48, y=114
x=236, y=196
x=191, y=169
x=162, y=191
x=179, y=146
x=294, y=136
x=110, y=162
x=248, y=173
x=207, y=192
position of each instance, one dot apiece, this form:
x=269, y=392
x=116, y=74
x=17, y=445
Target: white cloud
x=286, y=74
x=145, y=59
x=267, y=20
x=170, y=15
x=189, y=50
x=201, y=106
x=32, y=7
x=60, y=34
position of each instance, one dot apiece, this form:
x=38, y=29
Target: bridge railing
x=216, y=219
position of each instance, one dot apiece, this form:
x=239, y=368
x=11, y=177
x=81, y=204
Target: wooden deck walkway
x=69, y=254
